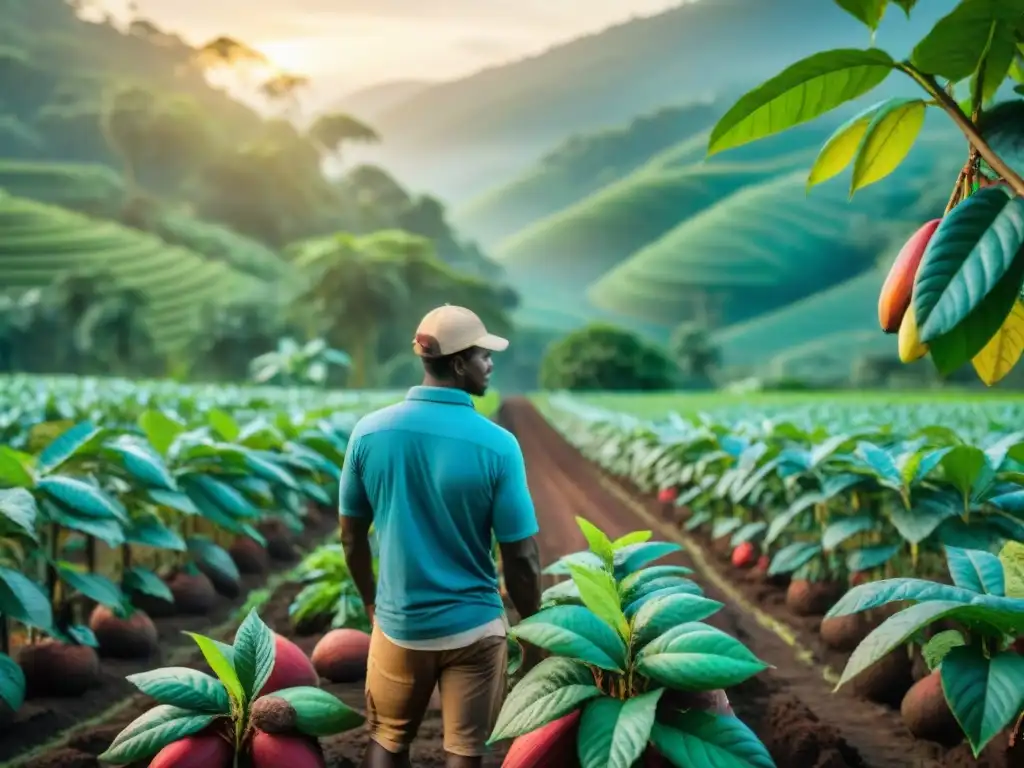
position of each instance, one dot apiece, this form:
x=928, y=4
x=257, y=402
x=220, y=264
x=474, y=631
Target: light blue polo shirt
x=437, y=478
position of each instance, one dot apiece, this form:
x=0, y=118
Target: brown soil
x=791, y=707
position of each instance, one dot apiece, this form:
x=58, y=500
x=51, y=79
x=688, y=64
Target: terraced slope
x=38, y=242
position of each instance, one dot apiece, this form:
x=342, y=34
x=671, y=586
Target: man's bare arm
x=355, y=540
x=520, y=561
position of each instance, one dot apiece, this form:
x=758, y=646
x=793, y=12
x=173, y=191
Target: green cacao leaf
x=82, y=498
x=12, y=683
x=173, y=500
x=793, y=556
x=561, y=566
x=977, y=571
x=599, y=593
x=222, y=665
x=636, y=537
x=142, y=463
x=802, y=92
x=920, y=521
x=93, y=585
x=144, y=581
x=66, y=445
x=662, y=614
x=866, y=558
x=1003, y=128
x=597, y=540
x=1002, y=50
x=633, y=557
x=552, y=689
x=894, y=127
x=150, y=532
x=710, y=741
x=696, y=657
x=160, y=429
x=185, y=688
x=15, y=468
x=19, y=507
x=906, y=5
x=319, y=713
x=151, y=732
x=23, y=600
x=223, y=424
x=845, y=528
x=614, y=733
x=108, y=530
x=636, y=580
x=574, y=631
x=254, y=654
x=984, y=694
x=955, y=46
x=938, y=646
x=863, y=597
x=1012, y=558
x=214, y=557
x=868, y=12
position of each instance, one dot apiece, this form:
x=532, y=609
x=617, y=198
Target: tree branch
x=964, y=123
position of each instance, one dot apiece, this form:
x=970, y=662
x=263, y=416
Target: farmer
x=437, y=479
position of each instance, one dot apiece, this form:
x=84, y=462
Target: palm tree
x=284, y=88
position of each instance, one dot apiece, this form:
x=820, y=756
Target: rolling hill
x=462, y=137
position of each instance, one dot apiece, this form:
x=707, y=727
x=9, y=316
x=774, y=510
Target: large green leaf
x=151, y=732
x=254, y=654
x=844, y=528
x=552, y=689
x=888, y=138
x=614, y=733
x=696, y=657
x=694, y=738
x=144, y=581
x=863, y=597
x=19, y=507
x=976, y=570
x=988, y=615
x=970, y=252
x=635, y=581
x=23, y=600
x=954, y=47
x=802, y=92
x=920, y=521
x=319, y=713
x=793, y=556
x=221, y=663
x=95, y=586
x=999, y=57
x=160, y=429
x=574, y=631
x=984, y=694
x=632, y=557
x=866, y=558
x=185, y=688
x=906, y=5
x=228, y=499
x=150, y=532
x=82, y=498
x=15, y=468
x=65, y=446
x=108, y=530
x=661, y=614
x=12, y=683
x=1003, y=128
x=1012, y=558
x=173, y=500
x=599, y=593
x=597, y=540
x=142, y=464
x=214, y=557
x=868, y=12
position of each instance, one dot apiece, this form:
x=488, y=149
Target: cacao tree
x=955, y=291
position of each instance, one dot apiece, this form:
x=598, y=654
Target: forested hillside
x=135, y=195
x=463, y=137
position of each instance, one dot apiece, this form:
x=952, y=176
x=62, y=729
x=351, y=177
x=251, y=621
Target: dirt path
x=842, y=731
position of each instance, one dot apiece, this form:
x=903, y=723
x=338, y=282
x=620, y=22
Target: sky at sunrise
x=346, y=45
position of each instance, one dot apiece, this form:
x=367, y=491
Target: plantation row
x=145, y=498
x=900, y=526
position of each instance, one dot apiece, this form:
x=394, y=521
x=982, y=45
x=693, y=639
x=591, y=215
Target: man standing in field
x=437, y=479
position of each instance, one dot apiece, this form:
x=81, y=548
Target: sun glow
x=297, y=56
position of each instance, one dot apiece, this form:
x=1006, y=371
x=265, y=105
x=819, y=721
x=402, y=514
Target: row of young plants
x=143, y=495
x=896, y=503
x=632, y=672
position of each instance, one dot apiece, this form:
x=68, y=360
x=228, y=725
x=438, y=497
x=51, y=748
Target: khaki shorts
x=400, y=682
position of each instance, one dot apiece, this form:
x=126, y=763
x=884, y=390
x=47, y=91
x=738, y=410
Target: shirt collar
x=445, y=395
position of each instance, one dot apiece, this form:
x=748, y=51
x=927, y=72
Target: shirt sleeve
x=352, y=498
x=514, y=516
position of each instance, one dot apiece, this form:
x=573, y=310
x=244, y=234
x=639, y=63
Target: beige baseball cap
x=450, y=329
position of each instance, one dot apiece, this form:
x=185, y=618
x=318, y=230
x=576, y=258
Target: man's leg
x=472, y=683
x=399, y=683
